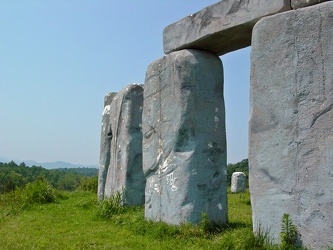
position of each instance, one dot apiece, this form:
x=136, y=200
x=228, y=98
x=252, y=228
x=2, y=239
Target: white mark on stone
x=151, y=181
x=219, y=206
x=157, y=187
x=154, y=186
x=165, y=165
x=171, y=181
x=106, y=109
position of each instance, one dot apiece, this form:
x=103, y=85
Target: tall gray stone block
x=220, y=28
x=295, y=4
x=238, y=182
x=291, y=135
x=105, y=146
x=125, y=172
x=184, y=144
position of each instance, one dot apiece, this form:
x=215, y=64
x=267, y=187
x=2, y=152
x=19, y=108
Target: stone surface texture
x=291, y=131
x=295, y=4
x=184, y=144
x=105, y=146
x=238, y=182
x=220, y=28
x=125, y=172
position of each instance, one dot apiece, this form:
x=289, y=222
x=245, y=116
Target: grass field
x=71, y=223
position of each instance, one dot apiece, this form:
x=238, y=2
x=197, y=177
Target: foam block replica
x=125, y=173
x=291, y=135
x=105, y=146
x=238, y=182
x=184, y=141
x=295, y=4
x=222, y=27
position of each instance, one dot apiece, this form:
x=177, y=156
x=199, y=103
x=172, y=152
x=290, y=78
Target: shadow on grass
x=237, y=225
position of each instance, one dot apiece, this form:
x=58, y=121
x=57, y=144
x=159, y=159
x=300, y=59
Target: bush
x=37, y=192
x=110, y=206
x=40, y=191
x=89, y=184
x=12, y=203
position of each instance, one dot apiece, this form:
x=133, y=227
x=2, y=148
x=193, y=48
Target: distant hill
x=50, y=165
x=58, y=164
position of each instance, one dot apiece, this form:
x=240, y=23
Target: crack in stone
x=320, y=113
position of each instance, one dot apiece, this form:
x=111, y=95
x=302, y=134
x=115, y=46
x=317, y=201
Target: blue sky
x=59, y=58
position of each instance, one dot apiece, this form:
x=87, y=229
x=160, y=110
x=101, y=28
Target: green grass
x=73, y=223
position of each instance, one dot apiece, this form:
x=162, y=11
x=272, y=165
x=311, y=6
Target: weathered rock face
x=184, y=144
x=238, y=182
x=291, y=136
x=104, y=160
x=125, y=171
x=295, y=4
x=220, y=28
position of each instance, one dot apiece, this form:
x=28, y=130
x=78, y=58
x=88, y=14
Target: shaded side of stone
x=220, y=28
x=296, y=4
x=105, y=146
x=184, y=144
x=238, y=182
x=291, y=136
x=125, y=172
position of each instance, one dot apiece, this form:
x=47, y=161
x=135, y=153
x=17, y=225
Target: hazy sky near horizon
x=60, y=57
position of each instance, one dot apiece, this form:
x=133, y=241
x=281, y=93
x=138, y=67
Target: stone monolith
x=238, y=182
x=220, y=28
x=184, y=144
x=105, y=146
x=291, y=135
x=125, y=172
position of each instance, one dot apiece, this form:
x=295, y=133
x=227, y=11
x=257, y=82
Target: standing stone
x=238, y=182
x=125, y=172
x=104, y=159
x=291, y=135
x=184, y=144
x=295, y=4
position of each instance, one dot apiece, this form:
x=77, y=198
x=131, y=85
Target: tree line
x=13, y=176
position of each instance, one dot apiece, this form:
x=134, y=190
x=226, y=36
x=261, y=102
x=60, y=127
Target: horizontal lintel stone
x=296, y=4
x=220, y=28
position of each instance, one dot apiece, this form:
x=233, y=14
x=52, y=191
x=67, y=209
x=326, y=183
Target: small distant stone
x=238, y=182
